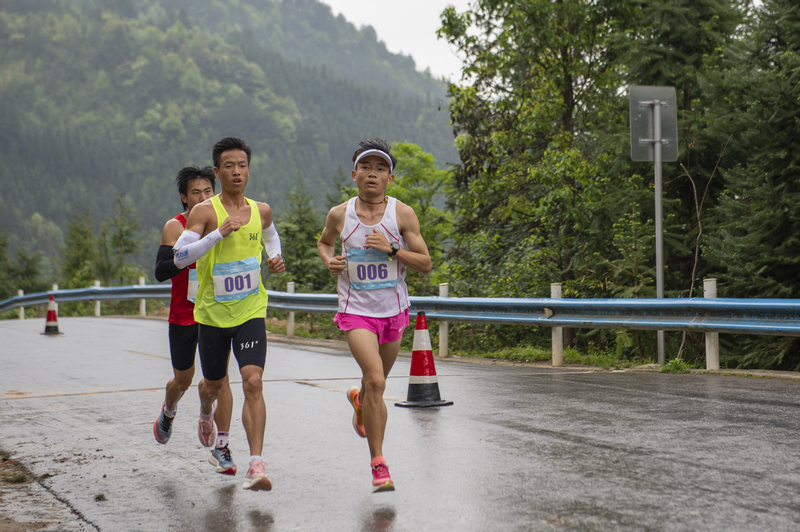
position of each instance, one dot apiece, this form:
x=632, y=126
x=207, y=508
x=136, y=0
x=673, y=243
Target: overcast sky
x=407, y=27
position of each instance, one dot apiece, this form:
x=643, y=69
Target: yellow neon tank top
x=231, y=291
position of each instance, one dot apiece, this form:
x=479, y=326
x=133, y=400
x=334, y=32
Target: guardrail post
x=444, y=329
x=290, y=321
x=712, y=339
x=142, y=302
x=558, y=332
x=20, y=293
x=97, y=302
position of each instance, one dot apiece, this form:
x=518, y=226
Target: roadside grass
x=571, y=357
x=314, y=326
x=676, y=365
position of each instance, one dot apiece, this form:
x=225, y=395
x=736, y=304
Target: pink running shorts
x=388, y=329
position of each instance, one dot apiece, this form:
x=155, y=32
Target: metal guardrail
x=93, y=293
x=776, y=317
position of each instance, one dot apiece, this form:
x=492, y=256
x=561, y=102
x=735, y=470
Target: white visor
x=382, y=154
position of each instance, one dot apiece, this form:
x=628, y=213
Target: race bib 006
x=370, y=269
x=235, y=280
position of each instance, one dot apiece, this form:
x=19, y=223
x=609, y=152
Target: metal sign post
x=654, y=139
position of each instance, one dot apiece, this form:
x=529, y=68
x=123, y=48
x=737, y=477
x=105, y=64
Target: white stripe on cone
x=422, y=340
x=423, y=379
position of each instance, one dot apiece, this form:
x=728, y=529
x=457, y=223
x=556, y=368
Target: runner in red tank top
x=181, y=310
x=195, y=185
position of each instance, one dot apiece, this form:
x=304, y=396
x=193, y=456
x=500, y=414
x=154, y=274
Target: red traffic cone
x=423, y=384
x=51, y=326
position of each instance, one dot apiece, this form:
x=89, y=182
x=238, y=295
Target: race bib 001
x=235, y=280
x=370, y=269
x=194, y=286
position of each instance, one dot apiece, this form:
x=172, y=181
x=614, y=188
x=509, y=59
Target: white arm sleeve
x=191, y=247
x=272, y=242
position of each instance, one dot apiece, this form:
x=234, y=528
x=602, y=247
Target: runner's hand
x=230, y=225
x=377, y=241
x=276, y=264
x=336, y=265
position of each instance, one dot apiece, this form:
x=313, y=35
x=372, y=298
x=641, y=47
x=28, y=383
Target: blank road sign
x=642, y=122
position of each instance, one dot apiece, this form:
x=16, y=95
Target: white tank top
x=371, y=285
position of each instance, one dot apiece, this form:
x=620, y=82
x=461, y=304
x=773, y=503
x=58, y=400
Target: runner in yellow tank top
x=231, y=291
x=224, y=235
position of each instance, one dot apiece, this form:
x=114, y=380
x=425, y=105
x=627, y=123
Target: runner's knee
x=252, y=385
x=183, y=383
x=214, y=387
x=374, y=382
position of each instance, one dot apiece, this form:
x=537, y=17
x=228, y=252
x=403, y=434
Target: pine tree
x=755, y=242
x=79, y=253
x=7, y=288
x=673, y=43
x=124, y=239
x=420, y=184
x=343, y=189
x=26, y=272
x=299, y=228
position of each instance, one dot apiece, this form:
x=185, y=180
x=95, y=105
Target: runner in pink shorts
x=380, y=241
x=386, y=329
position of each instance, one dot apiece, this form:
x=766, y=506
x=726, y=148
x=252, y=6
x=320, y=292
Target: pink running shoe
x=358, y=423
x=381, y=481
x=256, y=478
x=206, y=430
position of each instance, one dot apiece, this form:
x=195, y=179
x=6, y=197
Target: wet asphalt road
x=523, y=448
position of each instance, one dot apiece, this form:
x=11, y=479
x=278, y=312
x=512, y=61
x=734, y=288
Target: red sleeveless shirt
x=181, y=310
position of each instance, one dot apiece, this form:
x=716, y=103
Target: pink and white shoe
x=256, y=478
x=381, y=481
x=206, y=429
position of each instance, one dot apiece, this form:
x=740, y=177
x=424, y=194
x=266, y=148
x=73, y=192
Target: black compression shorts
x=182, y=345
x=249, y=341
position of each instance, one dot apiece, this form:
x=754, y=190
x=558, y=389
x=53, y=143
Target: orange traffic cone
x=423, y=384
x=51, y=325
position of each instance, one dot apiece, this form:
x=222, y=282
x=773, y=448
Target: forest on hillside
x=102, y=101
x=543, y=188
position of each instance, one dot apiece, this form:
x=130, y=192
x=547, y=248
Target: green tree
x=7, y=288
x=753, y=241
x=123, y=238
x=543, y=82
x=420, y=184
x=299, y=228
x=79, y=252
x=632, y=273
x=27, y=271
x=343, y=189
x=24, y=273
x=106, y=267
x=674, y=43
x=542, y=77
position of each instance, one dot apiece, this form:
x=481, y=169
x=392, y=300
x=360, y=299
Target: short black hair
x=375, y=144
x=229, y=143
x=189, y=173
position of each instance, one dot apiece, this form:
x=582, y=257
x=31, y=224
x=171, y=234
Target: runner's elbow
x=426, y=268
